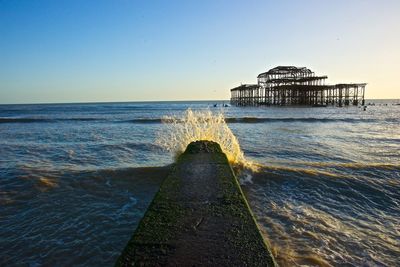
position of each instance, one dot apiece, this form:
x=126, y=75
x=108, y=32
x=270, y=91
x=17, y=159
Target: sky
x=121, y=50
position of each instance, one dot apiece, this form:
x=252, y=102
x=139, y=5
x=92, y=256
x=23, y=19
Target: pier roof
x=297, y=79
x=286, y=70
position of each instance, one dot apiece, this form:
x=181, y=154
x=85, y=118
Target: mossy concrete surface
x=199, y=217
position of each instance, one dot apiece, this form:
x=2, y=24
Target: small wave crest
x=299, y=170
x=309, y=119
x=47, y=182
x=353, y=165
x=38, y=120
x=145, y=120
x=316, y=169
x=23, y=120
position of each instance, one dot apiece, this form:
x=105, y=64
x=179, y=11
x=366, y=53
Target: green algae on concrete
x=199, y=217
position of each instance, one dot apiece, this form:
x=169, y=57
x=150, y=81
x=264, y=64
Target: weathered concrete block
x=199, y=217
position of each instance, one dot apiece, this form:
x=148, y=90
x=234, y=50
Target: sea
x=75, y=179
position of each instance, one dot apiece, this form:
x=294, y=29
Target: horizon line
x=142, y=101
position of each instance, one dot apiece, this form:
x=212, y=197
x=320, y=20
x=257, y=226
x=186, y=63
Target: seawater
x=75, y=179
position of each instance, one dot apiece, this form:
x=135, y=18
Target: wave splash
x=201, y=125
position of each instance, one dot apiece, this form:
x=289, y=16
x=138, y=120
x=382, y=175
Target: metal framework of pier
x=288, y=85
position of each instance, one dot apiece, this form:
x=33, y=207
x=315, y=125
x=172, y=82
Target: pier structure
x=199, y=217
x=289, y=85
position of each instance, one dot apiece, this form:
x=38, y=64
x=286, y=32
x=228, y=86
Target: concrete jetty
x=199, y=217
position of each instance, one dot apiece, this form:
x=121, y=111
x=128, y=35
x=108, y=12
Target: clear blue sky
x=78, y=51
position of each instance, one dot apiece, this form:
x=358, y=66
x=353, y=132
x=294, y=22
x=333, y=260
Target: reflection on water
x=321, y=219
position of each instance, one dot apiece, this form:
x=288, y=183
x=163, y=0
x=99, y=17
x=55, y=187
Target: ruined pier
x=289, y=85
x=199, y=217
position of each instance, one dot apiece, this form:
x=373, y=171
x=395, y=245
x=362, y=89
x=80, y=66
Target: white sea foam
x=201, y=125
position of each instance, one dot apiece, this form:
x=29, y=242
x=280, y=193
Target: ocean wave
x=309, y=119
x=297, y=207
x=53, y=120
x=145, y=120
x=264, y=120
x=47, y=120
x=327, y=169
x=355, y=165
x=298, y=170
x=227, y=120
x=130, y=146
x=23, y=120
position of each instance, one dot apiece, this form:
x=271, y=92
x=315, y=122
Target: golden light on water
x=47, y=182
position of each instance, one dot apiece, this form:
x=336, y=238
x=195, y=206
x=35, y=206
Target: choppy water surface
x=75, y=179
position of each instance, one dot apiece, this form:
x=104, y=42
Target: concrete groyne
x=199, y=217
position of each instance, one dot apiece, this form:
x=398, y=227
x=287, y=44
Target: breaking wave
x=201, y=125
